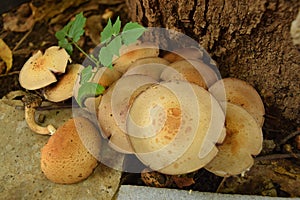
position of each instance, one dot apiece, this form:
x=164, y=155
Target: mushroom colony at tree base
x=170, y=109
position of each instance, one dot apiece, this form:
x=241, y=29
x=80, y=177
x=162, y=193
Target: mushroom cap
x=67, y=157
x=173, y=127
x=37, y=71
x=192, y=71
x=152, y=66
x=106, y=76
x=189, y=53
x=241, y=93
x=243, y=139
x=131, y=53
x=114, y=106
x=63, y=89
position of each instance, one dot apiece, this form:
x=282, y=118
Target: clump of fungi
x=170, y=109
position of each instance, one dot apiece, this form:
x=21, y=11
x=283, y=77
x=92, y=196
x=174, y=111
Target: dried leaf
x=266, y=178
x=20, y=21
x=6, y=55
x=183, y=181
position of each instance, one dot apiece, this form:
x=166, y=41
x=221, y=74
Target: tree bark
x=249, y=40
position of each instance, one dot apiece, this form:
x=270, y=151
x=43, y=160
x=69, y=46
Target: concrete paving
x=129, y=192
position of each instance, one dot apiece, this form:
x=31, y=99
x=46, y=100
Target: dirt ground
x=31, y=27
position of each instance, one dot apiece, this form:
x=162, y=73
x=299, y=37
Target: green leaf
x=117, y=26
x=115, y=45
x=66, y=45
x=89, y=89
x=61, y=34
x=105, y=56
x=131, y=32
x=86, y=74
x=76, y=29
x=107, y=32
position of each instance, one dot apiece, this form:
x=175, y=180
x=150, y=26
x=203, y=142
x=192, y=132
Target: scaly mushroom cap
x=173, y=127
x=63, y=89
x=65, y=158
x=191, y=53
x=192, y=71
x=152, y=67
x=114, y=106
x=37, y=71
x=243, y=139
x=131, y=53
x=241, y=93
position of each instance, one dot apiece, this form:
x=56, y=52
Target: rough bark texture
x=249, y=40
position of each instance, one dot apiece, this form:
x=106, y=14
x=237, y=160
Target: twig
x=52, y=107
x=22, y=40
x=277, y=156
x=10, y=74
x=291, y=135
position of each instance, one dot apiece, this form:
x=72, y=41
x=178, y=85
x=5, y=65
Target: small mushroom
x=63, y=89
x=173, y=127
x=243, y=139
x=31, y=102
x=131, y=53
x=152, y=67
x=241, y=93
x=38, y=70
x=190, y=53
x=67, y=157
x=192, y=71
x=114, y=106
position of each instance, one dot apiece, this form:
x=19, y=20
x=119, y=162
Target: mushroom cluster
x=172, y=111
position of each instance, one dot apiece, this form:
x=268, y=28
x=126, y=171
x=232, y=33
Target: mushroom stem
x=31, y=102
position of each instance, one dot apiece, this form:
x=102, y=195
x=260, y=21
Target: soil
x=49, y=16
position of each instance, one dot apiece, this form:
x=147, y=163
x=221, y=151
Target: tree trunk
x=249, y=40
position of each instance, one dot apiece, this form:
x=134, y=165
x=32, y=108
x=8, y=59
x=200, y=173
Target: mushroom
x=173, y=127
x=38, y=70
x=152, y=67
x=63, y=89
x=31, y=102
x=114, y=107
x=192, y=71
x=191, y=53
x=241, y=93
x=243, y=139
x=70, y=154
x=131, y=53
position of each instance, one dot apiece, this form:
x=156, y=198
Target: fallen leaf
x=93, y=28
x=6, y=55
x=266, y=178
x=20, y=21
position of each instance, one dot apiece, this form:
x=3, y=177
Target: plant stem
x=96, y=62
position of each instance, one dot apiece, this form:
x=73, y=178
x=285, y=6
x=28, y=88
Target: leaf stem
x=96, y=62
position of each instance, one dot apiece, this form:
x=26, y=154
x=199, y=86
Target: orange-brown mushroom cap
x=241, y=93
x=63, y=89
x=174, y=126
x=67, y=157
